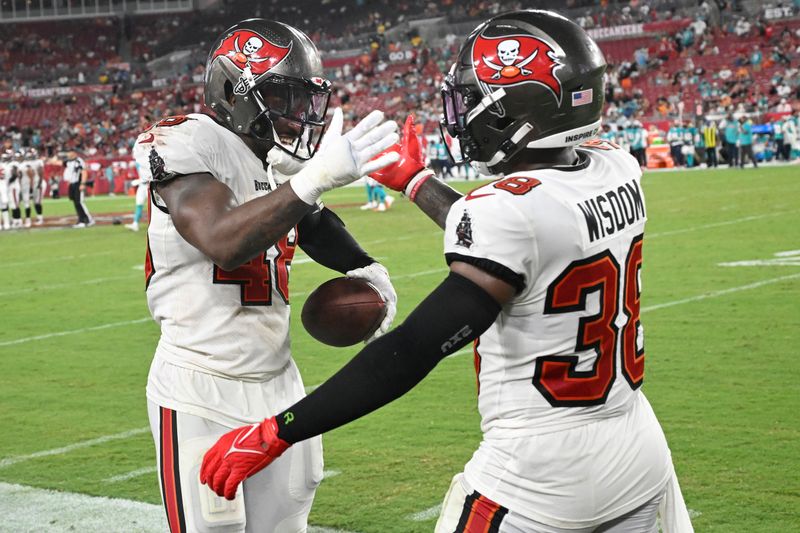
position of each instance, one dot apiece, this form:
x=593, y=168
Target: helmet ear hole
x=229, y=96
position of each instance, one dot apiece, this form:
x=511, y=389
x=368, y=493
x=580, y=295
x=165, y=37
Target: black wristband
x=323, y=236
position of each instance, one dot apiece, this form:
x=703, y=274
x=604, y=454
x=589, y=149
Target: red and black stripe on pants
x=169, y=472
x=480, y=515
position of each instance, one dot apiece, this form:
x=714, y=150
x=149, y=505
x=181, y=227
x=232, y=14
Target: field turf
x=723, y=366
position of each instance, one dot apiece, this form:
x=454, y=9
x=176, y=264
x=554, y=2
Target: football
x=343, y=311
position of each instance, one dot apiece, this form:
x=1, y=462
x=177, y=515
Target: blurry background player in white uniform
x=15, y=192
x=220, y=244
x=5, y=178
x=35, y=171
x=25, y=172
x=142, y=189
x=544, y=273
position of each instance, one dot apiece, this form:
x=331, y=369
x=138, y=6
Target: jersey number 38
x=556, y=376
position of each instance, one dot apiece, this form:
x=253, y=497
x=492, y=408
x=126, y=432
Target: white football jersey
x=24, y=167
x=568, y=348
x=38, y=169
x=9, y=170
x=233, y=324
x=560, y=368
x=4, y=183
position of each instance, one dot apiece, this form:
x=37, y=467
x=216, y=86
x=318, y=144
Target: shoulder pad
x=176, y=146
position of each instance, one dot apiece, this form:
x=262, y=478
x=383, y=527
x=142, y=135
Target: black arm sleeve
x=455, y=313
x=323, y=237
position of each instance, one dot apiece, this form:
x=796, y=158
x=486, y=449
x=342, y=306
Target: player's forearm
x=206, y=214
x=323, y=236
x=435, y=198
x=387, y=368
x=247, y=230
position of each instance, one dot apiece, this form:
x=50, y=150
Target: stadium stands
x=108, y=86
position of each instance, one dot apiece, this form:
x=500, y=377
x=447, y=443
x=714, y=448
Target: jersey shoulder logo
x=253, y=54
x=157, y=166
x=464, y=231
x=514, y=59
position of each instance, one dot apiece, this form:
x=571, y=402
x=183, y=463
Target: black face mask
x=294, y=110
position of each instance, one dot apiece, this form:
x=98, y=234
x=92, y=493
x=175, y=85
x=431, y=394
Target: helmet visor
x=295, y=102
x=296, y=109
x=455, y=109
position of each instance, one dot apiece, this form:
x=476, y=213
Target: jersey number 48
x=255, y=278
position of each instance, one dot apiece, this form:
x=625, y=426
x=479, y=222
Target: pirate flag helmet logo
x=253, y=54
x=513, y=59
x=523, y=80
x=263, y=79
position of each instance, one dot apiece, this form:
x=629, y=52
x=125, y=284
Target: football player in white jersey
x=5, y=178
x=25, y=171
x=223, y=231
x=544, y=277
x=16, y=194
x=35, y=171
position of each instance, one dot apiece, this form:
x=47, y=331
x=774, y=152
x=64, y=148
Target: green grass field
x=723, y=365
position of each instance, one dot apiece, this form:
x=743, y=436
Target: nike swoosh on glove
x=239, y=454
x=376, y=275
x=410, y=170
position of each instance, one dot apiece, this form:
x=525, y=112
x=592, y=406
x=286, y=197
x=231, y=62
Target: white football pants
x=276, y=500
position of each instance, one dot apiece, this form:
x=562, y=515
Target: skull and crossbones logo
x=245, y=54
x=509, y=56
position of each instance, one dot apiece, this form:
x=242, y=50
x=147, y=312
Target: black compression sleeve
x=324, y=238
x=455, y=313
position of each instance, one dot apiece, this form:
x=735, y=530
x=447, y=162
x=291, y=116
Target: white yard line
x=723, y=292
x=705, y=296
x=9, y=461
x=16, y=459
x=74, y=331
x=326, y=474
x=462, y=351
x=140, y=320
x=55, y=259
x=71, y=284
x=301, y=259
x=48, y=511
x=132, y=474
x=716, y=224
x=61, y=240
x=426, y=514
x=399, y=238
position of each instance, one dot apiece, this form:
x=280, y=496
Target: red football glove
x=239, y=454
x=400, y=175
